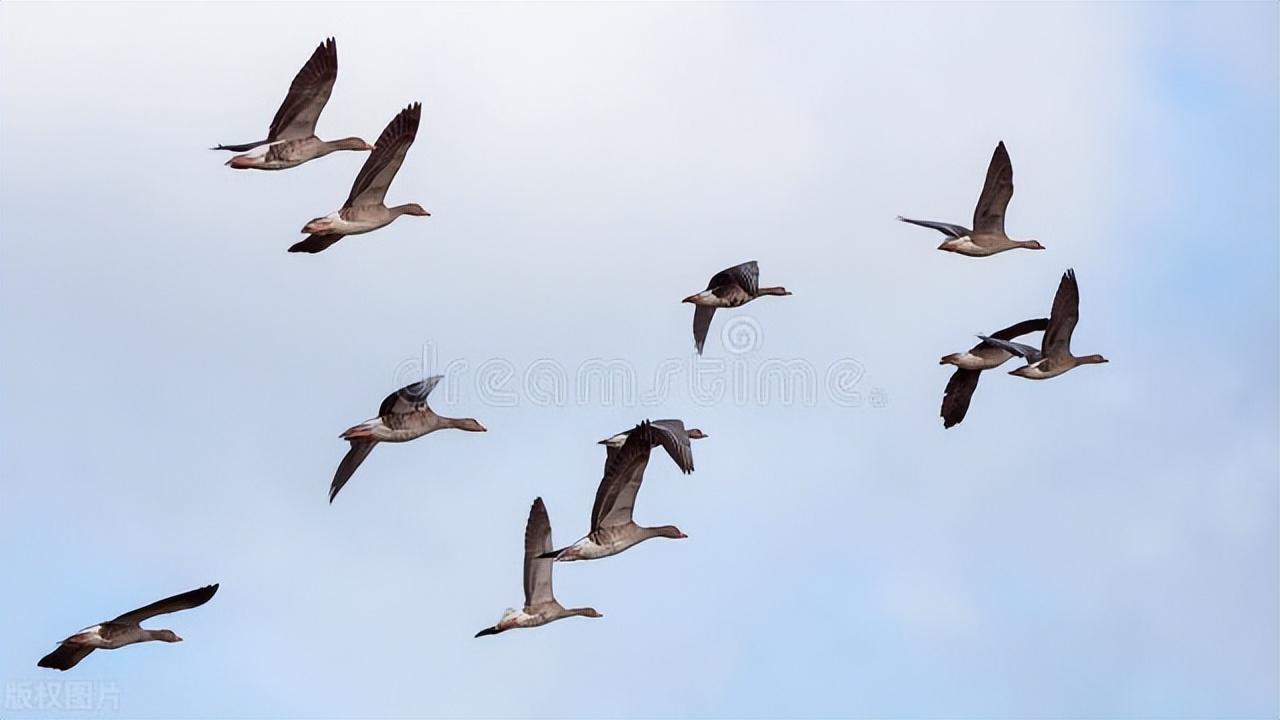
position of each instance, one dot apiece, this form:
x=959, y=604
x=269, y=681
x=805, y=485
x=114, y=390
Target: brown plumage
x=124, y=630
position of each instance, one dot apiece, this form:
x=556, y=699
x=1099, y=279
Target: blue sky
x=1103, y=545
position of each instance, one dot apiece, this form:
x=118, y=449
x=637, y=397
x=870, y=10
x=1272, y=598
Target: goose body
x=540, y=605
x=987, y=236
x=1054, y=357
x=612, y=528
x=364, y=209
x=969, y=365
x=403, y=416
x=729, y=288
x=125, y=630
x=291, y=139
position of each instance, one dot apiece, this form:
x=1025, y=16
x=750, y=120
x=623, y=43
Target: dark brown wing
x=65, y=657
x=370, y=187
x=675, y=440
x=1020, y=329
x=307, y=96
x=701, y=325
x=1063, y=317
x=182, y=601
x=988, y=216
x=623, y=473
x=537, y=541
x=360, y=450
x=745, y=276
x=955, y=399
x=409, y=399
x=315, y=243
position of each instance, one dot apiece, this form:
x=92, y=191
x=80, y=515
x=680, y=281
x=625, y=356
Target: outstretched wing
x=379, y=169
x=315, y=243
x=1022, y=328
x=1023, y=351
x=702, y=315
x=409, y=399
x=65, y=657
x=360, y=450
x=955, y=399
x=988, y=215
x=183, y=601
x=307, y=96
x=745, y=276
x=675, y=440
x=537, y=541
x=623, y=473
x=953, y=231
x=1063, y=316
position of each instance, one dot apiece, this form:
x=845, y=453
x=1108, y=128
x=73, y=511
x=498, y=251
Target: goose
x=403, y=416
x=124, y=630
x=612, y=529
x=987, y=236
x=971, y=363
x=364, y=209
x=540, y=606
x=728, y=288
x=668, y=433
x=292, y=140
x=1054, y=356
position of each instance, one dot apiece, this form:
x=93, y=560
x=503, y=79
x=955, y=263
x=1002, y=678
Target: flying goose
x=292, y=139
x=987, y=236
x=971, y=363
x=1054, y=356
x=403, y=416
x=612, y=529
x=728, y=288
x=124, y=630
x=671, y=435
x=540, y=606
x=364, y=209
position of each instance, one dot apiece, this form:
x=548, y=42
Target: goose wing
x=1063, y=316
x=1022, y=328
x=955, y=399
x=745, y=276
x=65, y=657
x=537, y=541
x=380, y=168
x=702, y=315
x=360, y=450
x=952, y=231
x=623, y=473
x=307, y=96
x=409, y=399
x=1023, y=351
x=673, y=437
x=181, y=601
x=988, y=216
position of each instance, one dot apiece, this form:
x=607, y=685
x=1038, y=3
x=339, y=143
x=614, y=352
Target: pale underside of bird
x=729, y=288
x=403, y=416
x=1054, y=357
x=365, y=210
x=987, y=236
x=970, y=364
x=612, y=527
x=124, y=630
x=540, y=605
x=291, y=139
x=673, y=437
